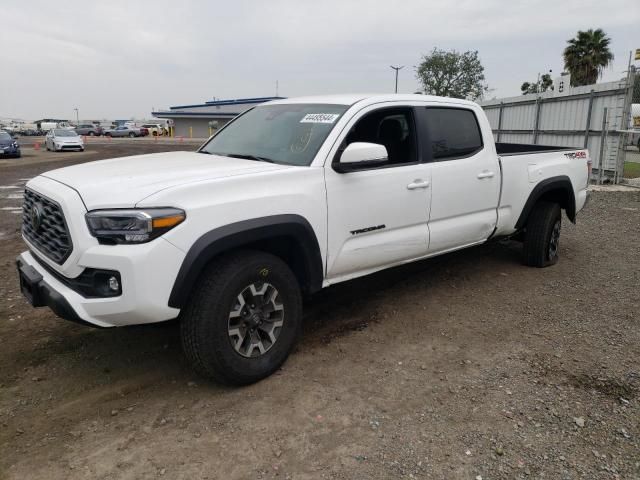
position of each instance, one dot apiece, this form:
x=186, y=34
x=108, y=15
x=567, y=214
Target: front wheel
x=542, y=236
x=131, y=135
x=244, y=318
x=92, y=134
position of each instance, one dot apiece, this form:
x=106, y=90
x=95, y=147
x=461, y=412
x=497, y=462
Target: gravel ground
x=466, y=366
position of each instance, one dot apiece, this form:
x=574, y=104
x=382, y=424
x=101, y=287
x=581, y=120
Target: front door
x=378, y=217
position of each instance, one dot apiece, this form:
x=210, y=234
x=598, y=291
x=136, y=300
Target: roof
x=352, y=98
x=232, y=108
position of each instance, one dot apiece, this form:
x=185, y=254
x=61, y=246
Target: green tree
x=586, y=56
x=545, y=83
x=452, y=74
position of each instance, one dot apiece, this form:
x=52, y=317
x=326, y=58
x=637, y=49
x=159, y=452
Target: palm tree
x=586, y=56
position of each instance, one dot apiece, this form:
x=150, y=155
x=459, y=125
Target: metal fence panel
x=571, y=119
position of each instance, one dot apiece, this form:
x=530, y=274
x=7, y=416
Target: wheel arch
x=289, y=237
x=555, y=189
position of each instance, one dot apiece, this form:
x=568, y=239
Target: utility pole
x=77, y=117
x=276, y=88
x=396, y=69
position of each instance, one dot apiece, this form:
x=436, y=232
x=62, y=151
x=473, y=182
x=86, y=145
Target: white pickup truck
x=290, y=197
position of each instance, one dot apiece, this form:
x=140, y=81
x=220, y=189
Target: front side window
x=5, y=136
x=289, y=134
x=451, y=133
x=391, y=127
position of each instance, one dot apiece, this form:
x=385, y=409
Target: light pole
x=77, y=117
x=396, y=69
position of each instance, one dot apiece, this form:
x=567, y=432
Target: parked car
x=155, y=129
x=123, y=131
x=88, y=129
x=9, y=146
x=59, y=140
x=288, y=198
x=144, y=132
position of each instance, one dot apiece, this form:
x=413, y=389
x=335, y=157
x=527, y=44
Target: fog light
x=114, y=285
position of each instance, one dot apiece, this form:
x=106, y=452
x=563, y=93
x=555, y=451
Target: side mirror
x=359, y=155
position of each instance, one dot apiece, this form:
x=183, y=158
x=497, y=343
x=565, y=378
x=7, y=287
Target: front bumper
x=68, y=146
x=40, y=294
x=147, y=277
x=10, y=151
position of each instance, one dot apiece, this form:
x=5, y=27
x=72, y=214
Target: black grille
x=43, y=225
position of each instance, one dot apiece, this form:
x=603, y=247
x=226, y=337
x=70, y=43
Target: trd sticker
x=319, y=118
x=368, y=229
x=573, y=155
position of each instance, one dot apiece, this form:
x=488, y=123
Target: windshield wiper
x=204, y=151
x=249, y=157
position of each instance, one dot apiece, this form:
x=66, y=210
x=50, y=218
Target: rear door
x=378, y=216
x=465, y=175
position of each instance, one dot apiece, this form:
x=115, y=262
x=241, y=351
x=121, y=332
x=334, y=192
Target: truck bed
x=507, y=149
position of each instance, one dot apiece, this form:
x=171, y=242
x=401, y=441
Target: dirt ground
x=468, y=366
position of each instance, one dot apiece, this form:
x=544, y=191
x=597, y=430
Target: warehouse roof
x=214, y=108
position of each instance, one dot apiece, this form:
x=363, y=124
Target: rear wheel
x=244, y=318
x=92, y=134
x=542, y=236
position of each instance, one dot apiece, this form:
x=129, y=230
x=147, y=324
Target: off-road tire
x=543, y=226
x=204, y=320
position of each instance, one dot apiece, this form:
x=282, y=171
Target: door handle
x=417, y=183
x=485, y=174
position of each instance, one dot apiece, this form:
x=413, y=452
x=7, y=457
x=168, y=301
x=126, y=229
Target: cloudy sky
x=118, y=59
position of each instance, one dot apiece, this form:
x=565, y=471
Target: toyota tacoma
x=290, y=197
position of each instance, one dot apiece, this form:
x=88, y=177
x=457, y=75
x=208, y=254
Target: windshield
x=65, y=133
x=290, y=134
x=5, y=136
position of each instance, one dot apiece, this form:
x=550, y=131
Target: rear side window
x=451, y=133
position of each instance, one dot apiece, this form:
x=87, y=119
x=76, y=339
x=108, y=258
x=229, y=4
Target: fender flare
x=236, y=235
x=561, y=183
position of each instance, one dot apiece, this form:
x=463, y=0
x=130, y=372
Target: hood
x=123, y=182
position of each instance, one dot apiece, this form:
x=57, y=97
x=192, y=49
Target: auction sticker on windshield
x=319, y=118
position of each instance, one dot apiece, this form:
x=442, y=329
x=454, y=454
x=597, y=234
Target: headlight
x=132, y=226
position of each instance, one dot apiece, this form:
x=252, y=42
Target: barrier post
x=36, y=146
x=190, y=132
